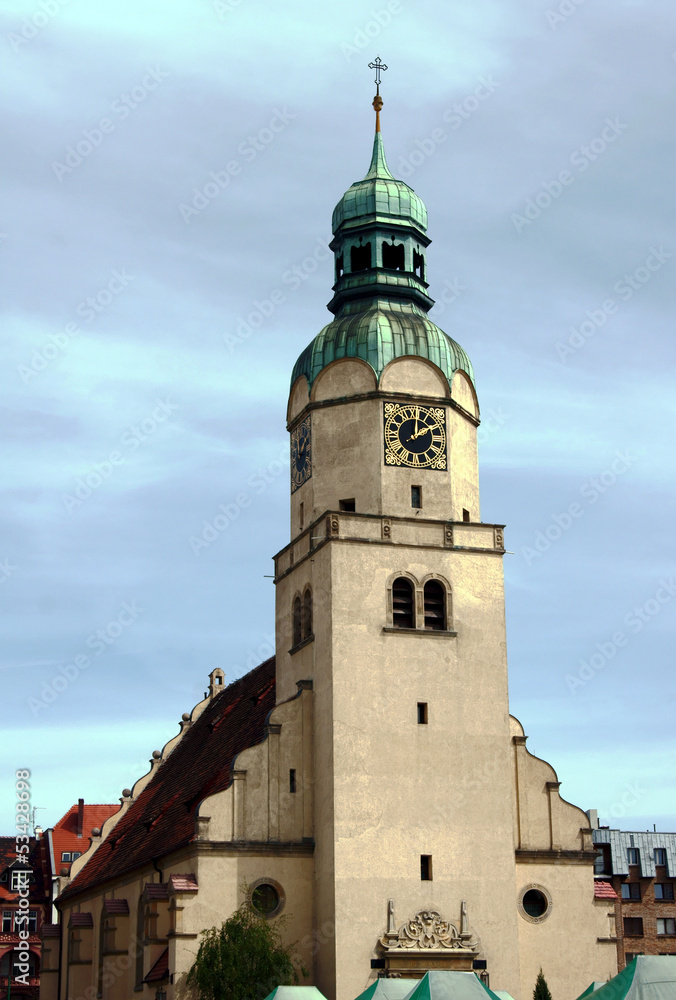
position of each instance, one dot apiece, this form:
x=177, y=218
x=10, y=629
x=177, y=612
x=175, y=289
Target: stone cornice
x=318, y=404
x=326, y=528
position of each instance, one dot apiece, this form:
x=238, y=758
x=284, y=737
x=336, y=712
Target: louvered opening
x=402, y=603
x=435, y=606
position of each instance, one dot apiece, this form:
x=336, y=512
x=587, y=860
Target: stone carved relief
x=448, y=536
x=428, y=931
x=499, y=539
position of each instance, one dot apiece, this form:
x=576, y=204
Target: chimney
x=80, y=817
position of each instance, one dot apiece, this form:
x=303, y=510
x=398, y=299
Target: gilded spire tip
x=378, y=66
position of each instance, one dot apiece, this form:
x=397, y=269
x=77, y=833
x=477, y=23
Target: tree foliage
x=541, y=991
x=244, y=959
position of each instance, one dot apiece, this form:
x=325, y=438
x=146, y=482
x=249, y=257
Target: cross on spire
x=378, y=66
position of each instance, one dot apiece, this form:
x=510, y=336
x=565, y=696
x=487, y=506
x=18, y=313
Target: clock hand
x=419, y=433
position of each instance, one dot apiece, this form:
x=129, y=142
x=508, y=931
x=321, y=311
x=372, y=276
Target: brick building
x=641, y=869
x=12, y=871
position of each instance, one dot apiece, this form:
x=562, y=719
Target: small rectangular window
x=633, y=926
x=631, y=890
x=292, y=780
x=666, y=925
x=629, y=956
x=75, y=855
x=301, y=514
x=21, y=877
x=465, y=514
x=664, y=890
x=32, y=921
x=422, y=713
x=416, y=497
x=348, y=505
x=65, y=856
x=6, y=921
x=633, y=857
x=426, y=867
x=660, y=856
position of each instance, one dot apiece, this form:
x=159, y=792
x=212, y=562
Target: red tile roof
x=51, y=930
x=155, y=890
x=160, y=969
x=183, y=883
x=116, y=906
x=64, y=836
x=81, y=920
x=163, y=817
x=603, y=890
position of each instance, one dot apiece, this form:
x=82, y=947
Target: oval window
x=265, y=899
x=534, y=903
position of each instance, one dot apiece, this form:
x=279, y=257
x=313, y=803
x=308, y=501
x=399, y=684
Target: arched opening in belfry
x=393, y=256
x=360, y=257
x=419, y=265
x=339, y=266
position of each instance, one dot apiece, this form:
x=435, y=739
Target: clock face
x=301, y=454
x=415, y=436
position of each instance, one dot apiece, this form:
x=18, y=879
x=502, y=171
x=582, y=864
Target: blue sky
x=153, y=313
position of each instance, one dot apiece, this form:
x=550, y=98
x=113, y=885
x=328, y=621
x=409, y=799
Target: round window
x=535, y=903
x=266, y=898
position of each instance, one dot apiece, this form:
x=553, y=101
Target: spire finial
x=378, y=66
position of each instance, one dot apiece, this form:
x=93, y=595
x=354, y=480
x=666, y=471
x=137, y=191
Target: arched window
x=419, y=264
x=360, y=258
x=307, y=614
x=297, y=621
x=435, y=605
x=393, y=256
x=402, y=603
x=339, y=266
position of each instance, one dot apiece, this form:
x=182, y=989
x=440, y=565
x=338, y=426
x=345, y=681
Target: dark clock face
x=301, y=454
x=415, y=436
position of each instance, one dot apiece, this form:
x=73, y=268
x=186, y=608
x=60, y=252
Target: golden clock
x=301, y=454
x=415, y=436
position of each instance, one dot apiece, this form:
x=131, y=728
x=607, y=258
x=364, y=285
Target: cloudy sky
x=147, y=359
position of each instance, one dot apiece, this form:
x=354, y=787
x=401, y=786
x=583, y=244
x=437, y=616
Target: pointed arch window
x=297, y=621
x=360, y=258
x=402, y=603
x=306, y=617
x=435, y=605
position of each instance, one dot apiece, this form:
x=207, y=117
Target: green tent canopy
x=596, y=985
x=388, y=989
x=451, y=986
x=647, y=977
x=295, y=993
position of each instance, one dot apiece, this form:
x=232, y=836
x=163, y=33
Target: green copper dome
x=378, y=335
x=380, y=298
x=379, y=196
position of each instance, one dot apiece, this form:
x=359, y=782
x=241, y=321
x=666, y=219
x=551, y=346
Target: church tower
x=390, y=603
x=390, y=599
